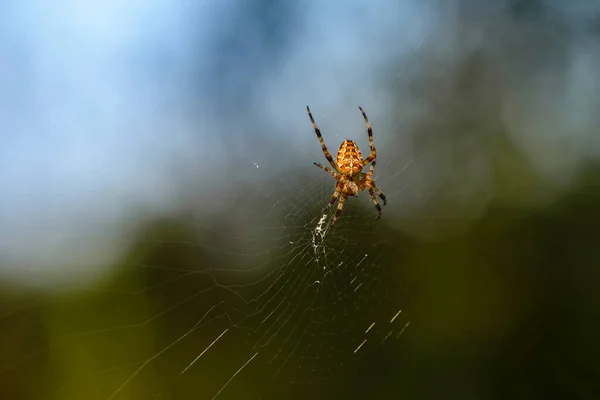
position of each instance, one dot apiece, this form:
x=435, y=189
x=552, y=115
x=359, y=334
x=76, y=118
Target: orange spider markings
x=349, y=160
x=347, y=169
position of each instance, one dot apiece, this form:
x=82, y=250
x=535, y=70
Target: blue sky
x=101, y=100
x=104, y=102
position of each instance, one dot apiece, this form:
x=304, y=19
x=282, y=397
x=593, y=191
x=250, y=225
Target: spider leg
x=368, y=182
x=374, y=200
x=334, y=174
x=339, y=209
x=323, y=147
x=370, y=132
x=372, y=169
x=336, y=194
x=379, y=192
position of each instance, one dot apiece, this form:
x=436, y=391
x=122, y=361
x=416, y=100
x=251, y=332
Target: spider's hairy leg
x=374, y=200
x=339, y=209
x=336, y=194
x=323, y=147
x=368, y=179
x=370, y=132
x=333, y=173
x=379, y=193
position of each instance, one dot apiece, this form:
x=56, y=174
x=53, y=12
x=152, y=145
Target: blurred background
x=161, y=224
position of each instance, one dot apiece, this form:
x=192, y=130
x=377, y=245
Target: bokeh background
x=156, y=167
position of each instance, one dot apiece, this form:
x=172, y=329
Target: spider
x=348, y=170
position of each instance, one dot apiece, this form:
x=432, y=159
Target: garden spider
x=348, y=171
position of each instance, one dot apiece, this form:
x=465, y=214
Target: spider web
x=252, y=304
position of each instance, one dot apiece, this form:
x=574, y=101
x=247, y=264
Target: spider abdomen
x=347, y=170
x=349, y=159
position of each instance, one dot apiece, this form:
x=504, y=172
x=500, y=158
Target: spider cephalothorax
x=348, y=170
